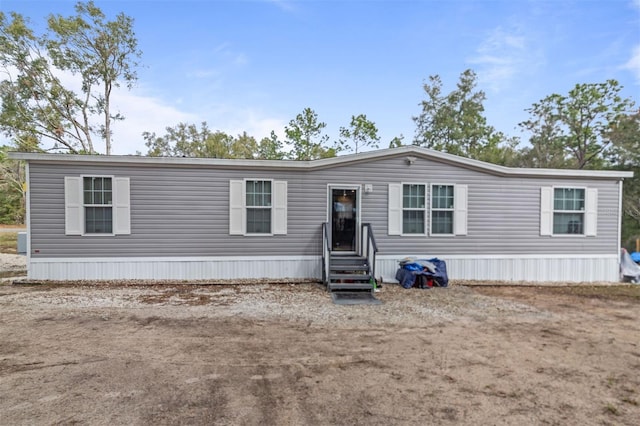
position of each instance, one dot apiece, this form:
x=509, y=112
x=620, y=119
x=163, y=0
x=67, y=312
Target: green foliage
x=35, y=103
x=631, y=210
x=187, y=140
x=454, y=123
x=624, y=154
x=575, y=130
x=361, y=133
x=12, y=189
x=270, y=148
x=396, y=142
x=8, y=242
x=304, y=134
x=624, y=134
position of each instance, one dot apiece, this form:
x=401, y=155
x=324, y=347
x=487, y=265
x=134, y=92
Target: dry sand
x=284, y=354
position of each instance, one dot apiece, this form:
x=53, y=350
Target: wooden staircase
x=349, y=273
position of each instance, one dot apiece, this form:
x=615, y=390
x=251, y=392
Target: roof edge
x=325, y=162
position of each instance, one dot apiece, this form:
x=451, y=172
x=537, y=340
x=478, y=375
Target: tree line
x=592, y=126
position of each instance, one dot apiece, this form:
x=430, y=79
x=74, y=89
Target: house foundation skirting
x=536, y=268
x=175, y=268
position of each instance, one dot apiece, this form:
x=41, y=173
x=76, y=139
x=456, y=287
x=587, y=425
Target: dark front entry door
x=344, y=218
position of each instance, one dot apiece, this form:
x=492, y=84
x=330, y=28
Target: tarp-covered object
x=410, y=268
x=629, y=269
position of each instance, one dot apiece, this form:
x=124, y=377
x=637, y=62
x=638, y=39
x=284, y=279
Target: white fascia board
x=141, y=160
x=325, y=162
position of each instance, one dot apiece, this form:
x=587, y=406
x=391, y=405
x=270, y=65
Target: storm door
x=344, y=218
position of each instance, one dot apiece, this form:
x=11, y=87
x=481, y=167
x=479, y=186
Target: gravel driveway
x=12, y=262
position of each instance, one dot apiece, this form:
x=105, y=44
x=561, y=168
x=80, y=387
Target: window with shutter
x=257, y=207
x=97, y=205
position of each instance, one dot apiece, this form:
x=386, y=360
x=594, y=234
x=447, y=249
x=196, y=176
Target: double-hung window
x=98, y=206
x=421, y=209
x=568, y=210
x=257, y=207
x=413, y=208
x=258, y=204
x=442, y=209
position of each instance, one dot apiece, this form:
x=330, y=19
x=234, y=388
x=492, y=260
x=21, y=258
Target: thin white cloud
x=501, y=56
x=240, y=59
x=142, y=114
x=285, y=5
x=203, y=73
x=237, y=119
x=146, y=113
x=149, y=114
x=633, y=64
x=227, y=55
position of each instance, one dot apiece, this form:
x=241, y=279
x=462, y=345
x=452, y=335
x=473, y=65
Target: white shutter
x=591, y=212
x=546, y=210
x=279, y=207
x=395, y=209
x=121, y=206
x=460, y=209
x=73, y=205
x=236, y=207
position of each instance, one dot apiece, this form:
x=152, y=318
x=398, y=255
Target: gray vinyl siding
x=183, y=211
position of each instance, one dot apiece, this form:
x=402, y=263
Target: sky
x=253, y=65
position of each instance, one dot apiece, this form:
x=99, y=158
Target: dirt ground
x=285, y=355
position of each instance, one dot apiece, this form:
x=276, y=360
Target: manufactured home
x=132, y=217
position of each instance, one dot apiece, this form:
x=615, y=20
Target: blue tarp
x=635, y=256
x=406, y=275
x=629, y=269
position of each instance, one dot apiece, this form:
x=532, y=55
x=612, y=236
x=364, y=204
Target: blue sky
x=253, y=65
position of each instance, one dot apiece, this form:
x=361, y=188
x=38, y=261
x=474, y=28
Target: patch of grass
x=611, y=409
x=619, y=292
x=9, y=274
x=8, y=242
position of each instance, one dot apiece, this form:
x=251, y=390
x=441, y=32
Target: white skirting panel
x=536, y=268
x=176, y=268
x=560, y=268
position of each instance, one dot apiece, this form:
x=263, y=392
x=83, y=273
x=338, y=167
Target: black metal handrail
x=326, y=253
x=368, y=247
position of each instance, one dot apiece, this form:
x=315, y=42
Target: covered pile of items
x=629, y=269
x=422, y=273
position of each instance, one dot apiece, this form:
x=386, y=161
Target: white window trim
x=425, y=209
x=84, y=206
x=75, y=206
x=452, y=210
x=247, y=208
x=238, y=208
x=590, y=212
x=459, y=211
